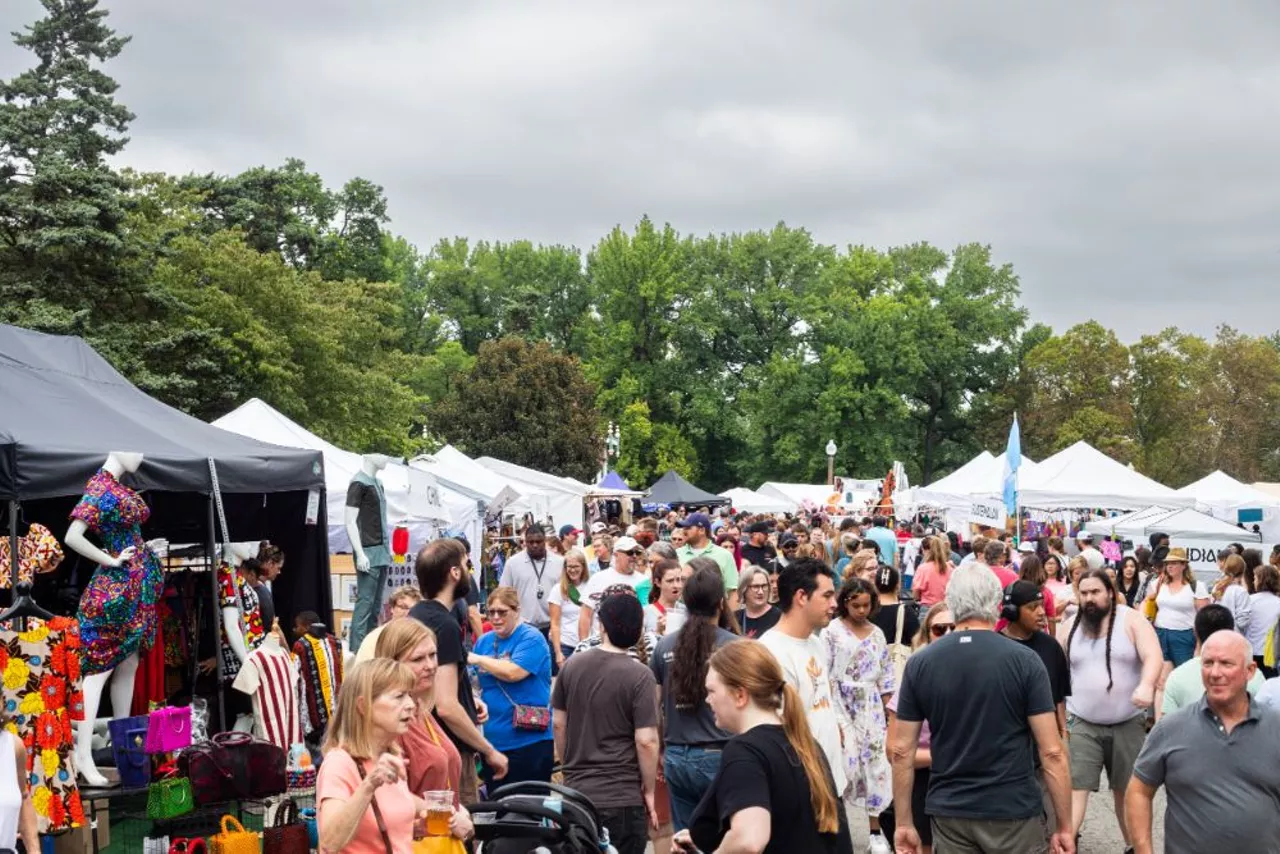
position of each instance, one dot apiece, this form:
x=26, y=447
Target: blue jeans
x=370, y=587
x=689, y=771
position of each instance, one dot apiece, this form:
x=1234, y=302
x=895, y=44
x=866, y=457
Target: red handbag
x=287, y=834
x=233, y=766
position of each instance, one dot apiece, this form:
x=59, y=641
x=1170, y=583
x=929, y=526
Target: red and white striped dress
x=271, y=678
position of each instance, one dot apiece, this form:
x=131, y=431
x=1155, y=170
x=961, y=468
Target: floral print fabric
x=234, y=592
x=41, y=676
x=862, y=673
x=118, y=609
x=38, y=552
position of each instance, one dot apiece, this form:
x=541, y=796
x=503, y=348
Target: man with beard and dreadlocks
x=1115, y=662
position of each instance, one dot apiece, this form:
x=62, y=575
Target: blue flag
x=1012, y=461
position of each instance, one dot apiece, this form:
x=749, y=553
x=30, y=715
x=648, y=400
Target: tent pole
x=210, y=549
x=14, y=509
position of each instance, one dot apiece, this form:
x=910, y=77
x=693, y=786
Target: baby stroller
x=518, y=819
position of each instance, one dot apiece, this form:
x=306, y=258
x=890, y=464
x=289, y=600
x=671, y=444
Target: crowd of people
x=738, y=683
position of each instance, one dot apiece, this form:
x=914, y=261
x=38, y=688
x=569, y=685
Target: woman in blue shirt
x=515, y=670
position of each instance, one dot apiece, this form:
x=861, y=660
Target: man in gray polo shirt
x=1217, y=759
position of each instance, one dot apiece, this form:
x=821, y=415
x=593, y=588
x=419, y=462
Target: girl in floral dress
x=861, y=671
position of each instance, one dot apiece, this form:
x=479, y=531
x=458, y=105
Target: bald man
x=1224, y=742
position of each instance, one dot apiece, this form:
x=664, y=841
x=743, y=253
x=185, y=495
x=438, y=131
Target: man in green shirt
x=1185, y=684
x=697, y=529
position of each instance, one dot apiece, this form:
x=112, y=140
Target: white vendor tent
x=796, y=494
x=457, y=471
x=564, y=496
x=982, y=478
x=750, y=501
x=1224, y=497
x=1082, y=476
x=258, y=420
x=1180, y=523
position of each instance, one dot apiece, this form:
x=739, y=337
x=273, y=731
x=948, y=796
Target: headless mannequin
x=118, y=462
x=235, y=554
x=371, y=465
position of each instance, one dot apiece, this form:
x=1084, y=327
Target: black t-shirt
x=1055, y=662
x=760, y=769
x=887, y=619
x=754, y=627
x=762, y=556
x=449, y=650
x=977, y=691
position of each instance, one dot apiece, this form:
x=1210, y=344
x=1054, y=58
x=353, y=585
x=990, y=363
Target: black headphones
x=1009, y=611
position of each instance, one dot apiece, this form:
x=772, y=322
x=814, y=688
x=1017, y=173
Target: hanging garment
x=38, y=552
x=42, y=696
x=148, y=686
x=320, y=663
x=235, y=592
x=271, y=678
x=117, y=613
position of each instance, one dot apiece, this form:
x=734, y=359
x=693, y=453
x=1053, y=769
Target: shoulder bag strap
x=897, y=635
x=377, y=813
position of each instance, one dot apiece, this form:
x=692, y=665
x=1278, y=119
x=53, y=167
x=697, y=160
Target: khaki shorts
x=1096, y=746
x=977, y=836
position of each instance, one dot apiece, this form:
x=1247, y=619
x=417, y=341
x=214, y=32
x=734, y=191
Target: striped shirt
x=271, y=678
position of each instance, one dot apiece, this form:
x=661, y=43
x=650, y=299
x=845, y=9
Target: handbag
x=439, y=845
x=233, y=766
x=527, y=718
x=169, y=729
x=187, y=846
x=156, y=845
x=128, y=738
x=1149, y=606
x=898, y=651
x=169, y=798
x=286, y=835
x=234, y=839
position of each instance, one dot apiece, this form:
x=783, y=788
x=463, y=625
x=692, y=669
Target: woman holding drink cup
x=434, y=766
x=365, y=805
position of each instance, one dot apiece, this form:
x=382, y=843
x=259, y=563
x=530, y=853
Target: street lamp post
x=831, y=462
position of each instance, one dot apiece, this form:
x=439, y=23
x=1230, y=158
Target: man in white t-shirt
x=625, y=552
x=807, y=597
x=534, y=573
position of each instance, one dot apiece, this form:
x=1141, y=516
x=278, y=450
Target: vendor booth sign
x=987, y=512
x=1203, y=555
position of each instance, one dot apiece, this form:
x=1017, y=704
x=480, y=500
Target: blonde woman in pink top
x=930, y=584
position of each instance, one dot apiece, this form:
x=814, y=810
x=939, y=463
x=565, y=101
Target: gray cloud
x=1122, y=156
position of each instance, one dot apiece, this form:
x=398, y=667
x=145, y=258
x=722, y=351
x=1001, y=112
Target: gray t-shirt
x=686, y=726
x=605, y=697
x=1222, y=788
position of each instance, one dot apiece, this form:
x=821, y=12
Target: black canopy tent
x=65, y=408
x=672, y=489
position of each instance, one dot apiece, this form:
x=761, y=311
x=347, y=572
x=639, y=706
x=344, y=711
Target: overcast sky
x=1124, y=157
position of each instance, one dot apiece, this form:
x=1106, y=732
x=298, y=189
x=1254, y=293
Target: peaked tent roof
x=1177, y=522
x=750, y=501
x=1082, y=476
x=1221, y=490
x=67, y=408
x=613, y=480
x=671, y=488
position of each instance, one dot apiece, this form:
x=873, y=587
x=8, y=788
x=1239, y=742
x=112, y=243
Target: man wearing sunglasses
x=697, y=528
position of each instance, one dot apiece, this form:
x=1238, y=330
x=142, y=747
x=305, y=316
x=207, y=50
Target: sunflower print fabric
x=118, y=609
x=40, y=670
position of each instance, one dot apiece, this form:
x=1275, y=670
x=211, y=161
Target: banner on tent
x=987, y=512
x=500, y=501
x=424, y=496
x=1203, y=554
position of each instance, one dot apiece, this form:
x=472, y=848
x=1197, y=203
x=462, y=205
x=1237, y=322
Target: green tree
x=524, y=403
x=60, y=202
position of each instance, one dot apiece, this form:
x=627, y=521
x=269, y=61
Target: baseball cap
x=1021, y=593
x=598, y=527
x=700, y=520
x=788, y=540
x=626, y=544
x=566, y=530
x=1027, y=547
x=1085, y=537
x=759, y=528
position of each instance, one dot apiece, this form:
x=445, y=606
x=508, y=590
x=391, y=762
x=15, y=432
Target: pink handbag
x=169, y=729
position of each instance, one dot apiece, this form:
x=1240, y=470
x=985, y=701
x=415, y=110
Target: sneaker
x=879, y=845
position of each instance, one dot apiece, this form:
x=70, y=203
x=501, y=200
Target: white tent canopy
x=456, y=470
x=564, y=496
x=258, y=420
x=1082, y=476
x=1224, y=497
x=1180, y=523
x=750, y=501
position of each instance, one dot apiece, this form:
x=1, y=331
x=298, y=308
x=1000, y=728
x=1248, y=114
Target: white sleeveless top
x=10, y=796
x=1090, y=698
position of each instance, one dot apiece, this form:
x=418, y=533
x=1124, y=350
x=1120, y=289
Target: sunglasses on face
x=500, y=613
x=764, y=586
x=942, y=629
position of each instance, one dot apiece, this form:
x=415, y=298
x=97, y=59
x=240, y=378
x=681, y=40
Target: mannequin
x=366, y=523
x=125, y=669
x=242, y=630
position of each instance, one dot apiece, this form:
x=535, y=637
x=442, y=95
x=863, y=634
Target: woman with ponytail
x=774, y=792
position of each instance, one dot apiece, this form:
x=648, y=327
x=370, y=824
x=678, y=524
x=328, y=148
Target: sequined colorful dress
x=118, y=609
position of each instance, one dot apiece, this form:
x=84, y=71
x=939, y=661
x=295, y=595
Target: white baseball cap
x=626, y=544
